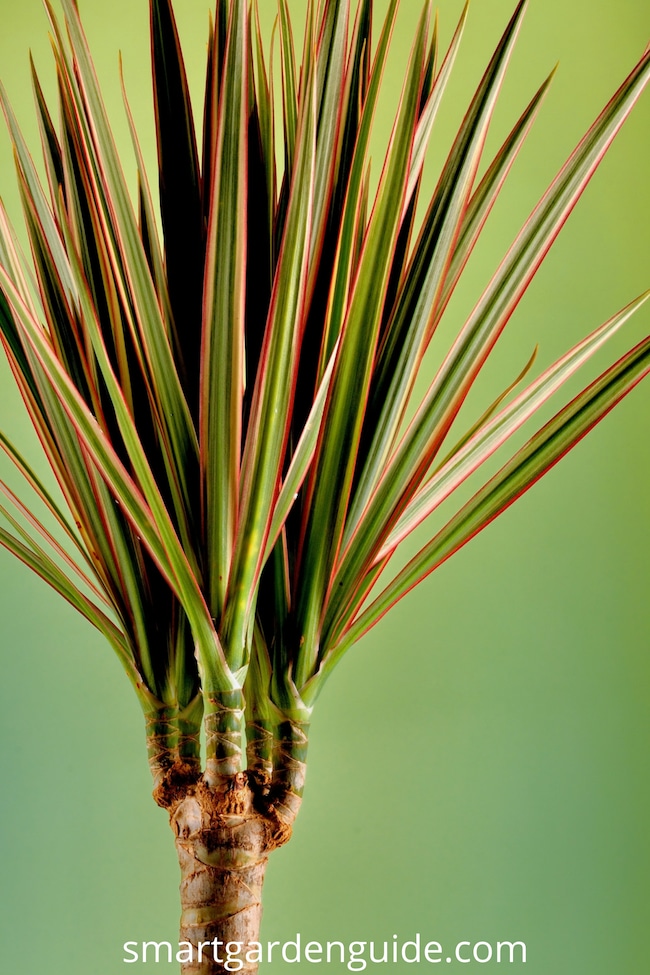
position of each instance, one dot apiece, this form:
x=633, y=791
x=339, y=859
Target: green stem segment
x=162, y=741
x=189, y=726
x=260, y=745
x=224, y=717
x=173, y=745
x=290, y=768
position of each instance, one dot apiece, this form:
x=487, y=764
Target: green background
x=479, y=767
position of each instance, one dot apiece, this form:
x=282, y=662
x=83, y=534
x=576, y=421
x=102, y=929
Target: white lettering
x=296, y=946
x=357, y=962
x=460, y=944
x=330, y=945
x=416, y=945
x=254, y=954
x=156, y=945
x=232, y=956
x=185, y=952
x=384, y=957
x=432, y=948
x=313, y=947
x=482, y=944
x=136, y=956
x=511, y=945
x=215, y=948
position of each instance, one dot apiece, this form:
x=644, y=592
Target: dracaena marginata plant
x=228, y=399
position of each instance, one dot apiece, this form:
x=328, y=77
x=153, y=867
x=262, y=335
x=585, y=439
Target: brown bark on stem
x=224, y=836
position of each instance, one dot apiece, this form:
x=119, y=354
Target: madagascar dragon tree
x=225, y=388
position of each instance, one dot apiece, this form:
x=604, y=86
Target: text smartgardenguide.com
x=356, y=955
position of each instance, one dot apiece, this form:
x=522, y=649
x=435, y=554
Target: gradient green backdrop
x=479, y=767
